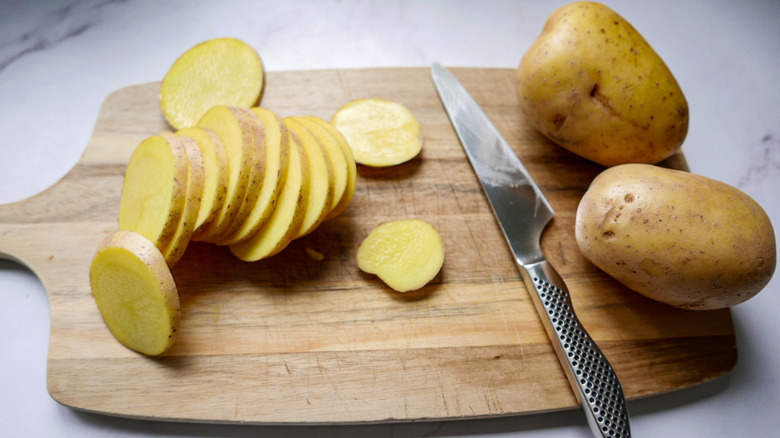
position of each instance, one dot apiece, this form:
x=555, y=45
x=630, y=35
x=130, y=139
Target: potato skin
x=593, y=85
x=683, y=239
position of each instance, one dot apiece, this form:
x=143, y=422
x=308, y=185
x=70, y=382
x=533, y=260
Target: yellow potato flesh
x=380, y=132
x=233, y=127
x=321, y=178
x=277, y=158
x=222, y=71
x=174, y=250
x=154, y=189
x=405, y=254
x=215, y=168
x=593, y=85
x=679, y=238
x=257, y=172
x=351, y=183
x=283, y=224
x=135, y=293
x=334, y=154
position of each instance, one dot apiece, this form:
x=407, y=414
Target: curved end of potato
x=135, y=293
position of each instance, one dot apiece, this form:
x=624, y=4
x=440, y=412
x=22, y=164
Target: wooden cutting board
x=293, y=339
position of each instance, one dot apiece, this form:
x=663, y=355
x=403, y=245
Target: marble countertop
x=59, y=61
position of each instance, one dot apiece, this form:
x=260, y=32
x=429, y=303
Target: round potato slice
x=215, y=168
x=321, y=178
x=154, y=189
x=135, y=292
x=349, y=190
x=405, y=254
x=221, y=71
x=285, y=221
x=380, y=132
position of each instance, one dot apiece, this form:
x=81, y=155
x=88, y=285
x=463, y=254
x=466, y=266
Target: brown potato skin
x=593, y=85
x=682, y=239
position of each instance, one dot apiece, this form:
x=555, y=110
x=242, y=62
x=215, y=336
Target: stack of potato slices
x=242, y=177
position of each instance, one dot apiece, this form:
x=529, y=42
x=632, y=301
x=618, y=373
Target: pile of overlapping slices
x=242, y=177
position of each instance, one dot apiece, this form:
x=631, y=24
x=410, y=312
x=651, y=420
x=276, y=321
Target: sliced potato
x=285, y=221
x=334, y=154
x=321, y=178
x=215, y=167
x=233, y=127
x=135, y=292
x=349, y=190
x=195, y=179
x=257, y=173
x=222, y=71
x=380, y=132
x=405, y=254
x=154, y=189
x=277, y=158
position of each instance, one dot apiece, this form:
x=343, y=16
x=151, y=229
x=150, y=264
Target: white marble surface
x=60, y=59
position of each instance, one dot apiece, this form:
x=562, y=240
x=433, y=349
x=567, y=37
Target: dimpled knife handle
x=592, y=378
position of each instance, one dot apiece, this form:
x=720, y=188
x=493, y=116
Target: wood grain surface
x=294, y=340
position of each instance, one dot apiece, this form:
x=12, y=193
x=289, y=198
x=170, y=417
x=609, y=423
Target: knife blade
x=523, y=213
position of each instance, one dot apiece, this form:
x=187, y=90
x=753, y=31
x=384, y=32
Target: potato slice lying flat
x=285, y=221
x=405, y=254
x=154, y=189
x=349, y=190
x=380, y=132
x=277, y=158
x=215, y=167
x=135, y=292
x=334, y=154
x=233, y=127
x=222, y=71
x=189, y=217
x=321, y=178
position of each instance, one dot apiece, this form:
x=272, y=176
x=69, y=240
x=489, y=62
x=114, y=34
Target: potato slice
x=334, y=154
x=285, y=221
x=349, y=190
x=405, y=254
x=321, y=178
x=154, y=189
x=215, y=167
x=222, y=71
x=135, y=292
x=257, y=173
x=380, y=132
x=195, y=180
x=233, y=127
x=277, y=158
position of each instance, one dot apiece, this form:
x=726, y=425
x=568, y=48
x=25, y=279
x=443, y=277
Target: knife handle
x=590, y=375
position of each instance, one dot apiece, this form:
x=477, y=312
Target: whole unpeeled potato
x=592, y=84
x=679, y=238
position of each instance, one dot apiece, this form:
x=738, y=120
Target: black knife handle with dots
x=592, y=378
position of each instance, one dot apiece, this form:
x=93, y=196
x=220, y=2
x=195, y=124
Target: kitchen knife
x=523, y=213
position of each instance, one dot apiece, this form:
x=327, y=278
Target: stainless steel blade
x=523, y=213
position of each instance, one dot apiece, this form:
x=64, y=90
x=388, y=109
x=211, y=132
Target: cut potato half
x=135, y=292
x=277, y=158
x=189, y=217
x=215, y=168
x=380, y=132
x=405, y=254
x=233, y=127
x=285, y=221
x=221, y=71
x=154, y=189
x=349, y=190
x=321, y=178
